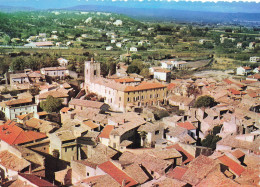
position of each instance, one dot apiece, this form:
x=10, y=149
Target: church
x=121, y=97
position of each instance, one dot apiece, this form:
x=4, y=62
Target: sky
x=195, y=5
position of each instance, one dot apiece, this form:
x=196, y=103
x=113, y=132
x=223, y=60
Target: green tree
x=210, y=141
x=51, y=104
x=204, y=101
x=133, y=69
x=145, y=73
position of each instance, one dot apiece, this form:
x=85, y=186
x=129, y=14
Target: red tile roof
x=13, y=135
x=246, y=68
x=237, y=153
x=233, y=166
x=255, y=76
x=145, y=86
x=65, y=109
x=235, y=92
x=187, y=125
x=18, y=101
x=36, y=180
x=106, y=131
x=177, y=172
x=126, y=80
x=86, y=103
x=170, y=86
x=54, y=68
x=228, y=81
x=117, y=174
x=187, y=157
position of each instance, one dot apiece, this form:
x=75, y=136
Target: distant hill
x=4, y=8
x=159, y=14
x=171, y=14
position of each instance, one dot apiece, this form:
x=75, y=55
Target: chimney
x=123, y=183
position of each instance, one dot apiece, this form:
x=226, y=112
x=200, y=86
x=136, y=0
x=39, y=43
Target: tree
x=133, y=69
x=211, y=141
x=51, y=104
x=204, y=101
x=145, y=73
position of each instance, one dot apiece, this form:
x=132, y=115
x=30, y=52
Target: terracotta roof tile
x=171, y=86
x=90, y=124
x=187, y=125
x=233, y=166
x=177, y=172
x=237, y=153
x=12, y=162
x=65, y=109
x=144, y=86
x=126, y=80
x=61, y=93
x=106, y=131
x=117, y=174
x=86, y=103
x=13, y=135
x=185, y=155
x=36, y=180
x=18, y=101
x=54, y=68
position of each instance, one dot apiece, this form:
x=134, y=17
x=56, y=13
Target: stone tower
x=92, y=71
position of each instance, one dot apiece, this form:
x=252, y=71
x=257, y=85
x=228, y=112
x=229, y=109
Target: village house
x=19, y=78
x=172, y=63
x=126, y=126
x=119, y=44
x=11, y=134
x=84, y=105
x=63, y=62
x=239, y=45
x=156, y=167
x=55, y=72
x=11, y=163
x=251, y=45
x=150, y=133
x=26, y=179
x=133, y=49
x=64, y=145
x=162, y=75
x=118, y=22
x=243, y=70
x=184, y=103
x=254, y=59
x=109, y=48
x=17, y=107
x=57, y=93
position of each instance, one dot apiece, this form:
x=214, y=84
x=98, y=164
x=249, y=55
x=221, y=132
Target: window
x=128, y=99
x=95, y=72
x=65, y=149
x=151, y=96
x=157, y=132
x=119, y=98
x=87, y=173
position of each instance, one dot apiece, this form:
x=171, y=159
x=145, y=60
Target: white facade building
x=55, y=71
x=254, y=59
x=133, y=49
x=14, y=108
x=243, y=70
